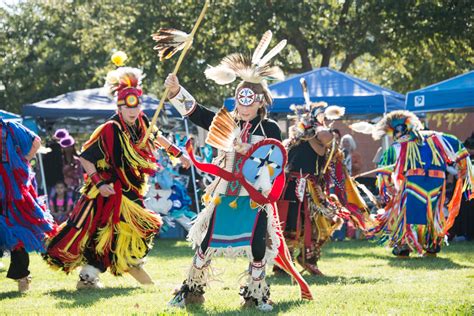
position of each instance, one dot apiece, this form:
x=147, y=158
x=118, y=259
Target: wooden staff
x=372, y=171
x=189, y=41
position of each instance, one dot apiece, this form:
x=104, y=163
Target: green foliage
x=51, y=47
x=361, y=278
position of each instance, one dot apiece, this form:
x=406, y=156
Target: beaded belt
x=422, y=172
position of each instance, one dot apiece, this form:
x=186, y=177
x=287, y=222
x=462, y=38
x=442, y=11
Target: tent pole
x=192, y=170
x=43, y=179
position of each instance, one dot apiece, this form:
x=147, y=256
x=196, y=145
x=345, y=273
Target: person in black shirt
x=319, y=192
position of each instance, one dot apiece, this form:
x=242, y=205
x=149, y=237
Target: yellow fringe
x=132, y=236
x=413, y=156
x=74, y=261
x=436, y=155
x=103, y=164
x=135, y=161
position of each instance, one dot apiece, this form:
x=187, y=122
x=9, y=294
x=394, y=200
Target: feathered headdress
x=389, y=122
x=362, y=127
x=312, y=114
x=256, y=69
x=124, y=82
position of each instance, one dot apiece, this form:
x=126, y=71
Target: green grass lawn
x=361, y=278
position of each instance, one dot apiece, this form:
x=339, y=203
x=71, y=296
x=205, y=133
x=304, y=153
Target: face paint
x=247, y=97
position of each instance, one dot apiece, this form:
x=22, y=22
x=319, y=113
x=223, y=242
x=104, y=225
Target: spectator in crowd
x=60, y=203
x=52, y=161
x=72, y=169
x=352, y=159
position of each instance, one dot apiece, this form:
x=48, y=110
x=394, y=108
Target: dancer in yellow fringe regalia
x=109, y=227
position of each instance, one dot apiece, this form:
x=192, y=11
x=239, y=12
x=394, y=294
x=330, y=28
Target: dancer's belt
x=423, y=172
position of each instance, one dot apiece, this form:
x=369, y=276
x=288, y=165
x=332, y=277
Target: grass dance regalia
x=413, y=184
x=249, y=179
x=319, y=192
x=24, y=221
x=110, y=228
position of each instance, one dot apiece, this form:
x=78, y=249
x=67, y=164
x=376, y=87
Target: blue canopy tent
x=87, y=103
x=8, y=116
x=359, y=97
x=30, y=123
x=453, y=94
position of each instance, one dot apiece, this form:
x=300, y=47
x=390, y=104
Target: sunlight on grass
x=361, y=278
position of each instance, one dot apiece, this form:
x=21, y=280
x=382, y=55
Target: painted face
x=130, y=114
x=246, y=97
x=248, y=103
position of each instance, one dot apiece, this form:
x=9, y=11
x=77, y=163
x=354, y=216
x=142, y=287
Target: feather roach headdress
x=124, y=83
x=313, y=115
x=397, y=121
x=254, y=70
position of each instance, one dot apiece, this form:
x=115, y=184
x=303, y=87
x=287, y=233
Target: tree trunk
x=326, y=52
x=348, y=61
x=296, y=38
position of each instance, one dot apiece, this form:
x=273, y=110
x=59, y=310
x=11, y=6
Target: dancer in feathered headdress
x=413, y=184
x=24, y=220
x=110, y=228
x=319, y=193
x=239, y=215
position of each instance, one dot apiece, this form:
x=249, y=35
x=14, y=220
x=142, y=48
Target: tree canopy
x=52, y=47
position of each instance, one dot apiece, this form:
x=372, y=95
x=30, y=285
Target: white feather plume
x=334, y=112
x=221, y=74
x=112, y=81
x=362, y=127
x=307, y=101
x=272, y=53
x=262, y=47
x=253, y=69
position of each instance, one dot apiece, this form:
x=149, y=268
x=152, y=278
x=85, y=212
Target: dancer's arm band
x=184, y=102
x=97, y=180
